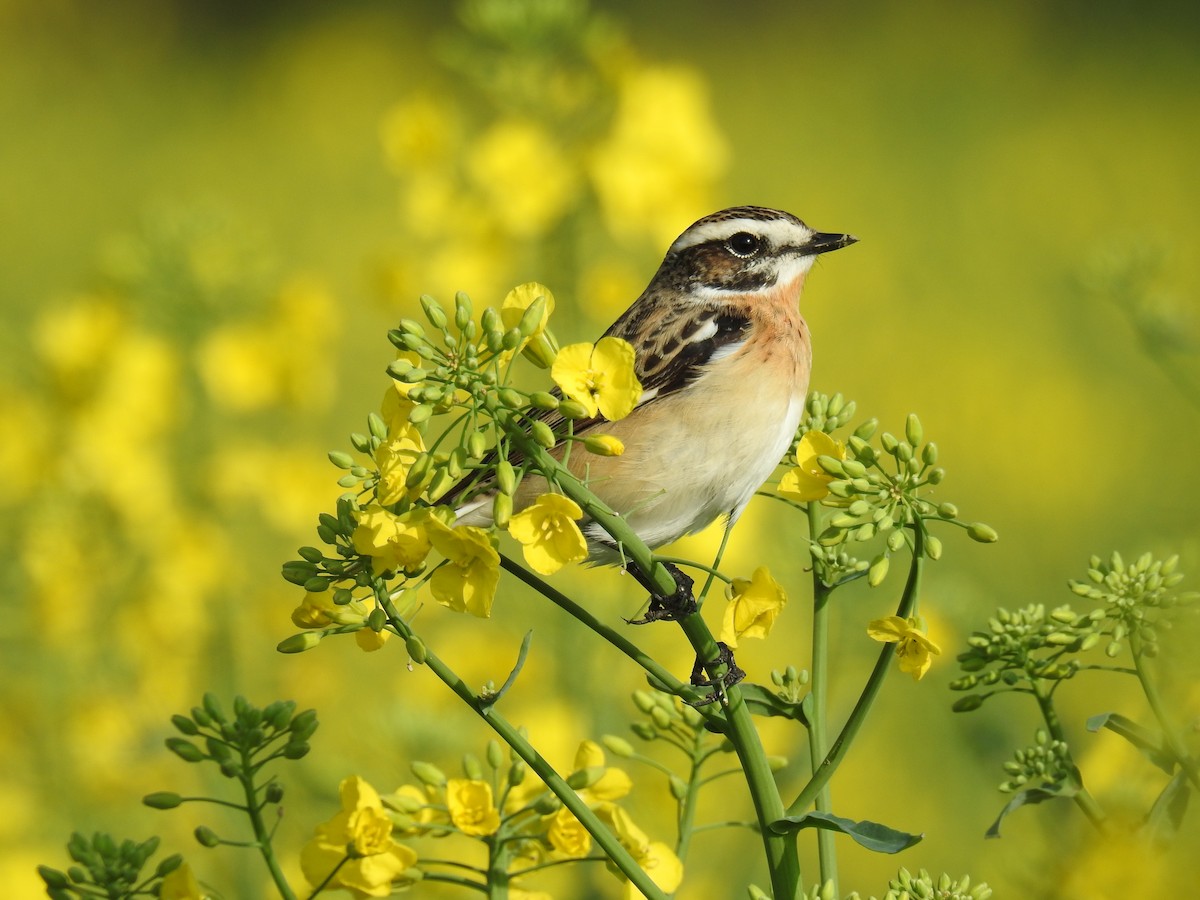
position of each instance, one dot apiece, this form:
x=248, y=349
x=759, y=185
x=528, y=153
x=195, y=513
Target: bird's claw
x=731, y=676
x=670, y=607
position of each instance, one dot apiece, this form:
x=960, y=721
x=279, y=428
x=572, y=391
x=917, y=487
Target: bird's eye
x=744, y=244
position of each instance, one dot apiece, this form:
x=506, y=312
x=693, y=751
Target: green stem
x=1170, y=735
x=858, y=715
x=499, y=857
x=782, y=858
x=626, y=646
x=818, y=700
x=262, y=835
x=1082, y=797
x=687, y=803
x=604, y=838
x=328, y=878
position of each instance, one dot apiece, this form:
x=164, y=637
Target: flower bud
x=420, y=413
x=206, y=836
x=433, y=312
x=573, y=409
x=543, y=400
x=604, y=445
x=428, y=773
x=472, y=768
x=878, y=570
x=541, y=350
x=185, y=750
x=617, y=746
x=985, y=534
x=416, y=649
x=502, y=507
x=677, y=786
x=543, y=435
x=506, y=476
x=933, y=547
x=913, y=430
x=477, y=445
x=462, y=310
x=162, y=800
x=511, y=398
x=298, y=643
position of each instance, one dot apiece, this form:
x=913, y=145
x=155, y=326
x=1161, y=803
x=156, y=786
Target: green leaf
x=764, y=702
x=871, y=835
x=1028, y=797
x=1163, y=820
x=1144, y=739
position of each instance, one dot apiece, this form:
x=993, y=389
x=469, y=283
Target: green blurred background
x=211, y=212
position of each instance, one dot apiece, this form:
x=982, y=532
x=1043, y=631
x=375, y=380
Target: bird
x=723, y=355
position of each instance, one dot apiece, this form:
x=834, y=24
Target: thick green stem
x=499, y=856
x=262, y=835
x=1170, y=736
x=687, y=803
x=782, y=858
x=818, y=704
x=604, y=838
x=858, y=715
x=1083, y=799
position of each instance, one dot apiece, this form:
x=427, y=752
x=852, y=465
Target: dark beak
x=827, y=242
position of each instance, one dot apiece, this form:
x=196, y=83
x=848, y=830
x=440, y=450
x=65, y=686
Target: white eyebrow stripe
x=778, y=232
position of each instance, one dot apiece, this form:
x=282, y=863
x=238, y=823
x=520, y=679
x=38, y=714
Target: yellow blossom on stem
x=600, y=376
x=915, y=649
x=549, y=534
x=393, y=541
x=608, y=783
x=567, y=836
x=656, y=858
x=808, y=481
x=357, y=846
x=753, y=607
x=370, y=640
x=468, y=580
x=396, y=455
x=516, y=301
x=471, y=808
x=181, y=884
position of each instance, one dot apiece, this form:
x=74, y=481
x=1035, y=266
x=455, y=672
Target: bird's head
x=744, y=250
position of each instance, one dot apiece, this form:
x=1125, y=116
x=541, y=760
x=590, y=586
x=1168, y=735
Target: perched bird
x=723, y=356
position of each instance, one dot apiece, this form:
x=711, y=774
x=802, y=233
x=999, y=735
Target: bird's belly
x=702, y=453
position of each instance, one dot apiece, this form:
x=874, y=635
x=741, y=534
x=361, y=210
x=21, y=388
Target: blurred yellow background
x=212, y=212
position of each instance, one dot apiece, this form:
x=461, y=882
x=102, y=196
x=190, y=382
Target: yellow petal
x=619, y=389
x=572, y=372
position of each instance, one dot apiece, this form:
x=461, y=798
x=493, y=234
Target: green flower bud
x=471, y=766
x=889, y=442
x=541, y=350
x=433, y=312
x=678, y=787
x=462, y=310
x=416, y=649
x=517, y=772
x=185, y=750
x=585, y=778
x=298, y=571
x=377, y=426
x=644, y=701
x=777, y=763
x=543, y=435
x=913, y=430
x=547, y=805
x=206, y=836
x=457, y=462
x=340, y=459
x=985, y=534
x=476, y=445
x=904, y=451
x=531, y=319
x=185, y=725
x=412, y=327
x=933, y=547
x=604, y=445
x=420, y=413
x=573, y=409
x=502, y=507
x=851, y=467
x=947, y=510
x=660, y=717
x=429, y=774
x=968, y=703
x=617, y=746
x=543, y=400
x=511, y=398
x=162, y=800
x=506, y=476
x=298, y=643
x=929, y=455
x=316, y=584
x=644, y=730
x=512, y=338
x=866, y=429
x=54, y=879
x=878, y=570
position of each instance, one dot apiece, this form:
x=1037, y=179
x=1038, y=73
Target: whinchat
x=723, y=355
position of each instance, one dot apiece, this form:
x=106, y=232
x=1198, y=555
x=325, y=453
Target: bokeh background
x=211, y=212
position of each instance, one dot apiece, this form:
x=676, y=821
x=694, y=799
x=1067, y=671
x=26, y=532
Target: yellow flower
x=808, y=481
x=599, y=376
x=180, y=884
x=604, y=445
x=471, y=808
x=370, y=640
x=548, y=531
x=609, y=783
x=567, y=835
x=518, y=300
x=914, y=648
x=753, y=607
x=523, y=175
x=656, y=167
x=397, y=454
x=467, y=583
x=656, y=858
x=393, y=542
x=363, y=832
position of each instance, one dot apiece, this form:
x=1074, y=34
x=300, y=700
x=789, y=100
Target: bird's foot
x=731, y=676
x=670, y=607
